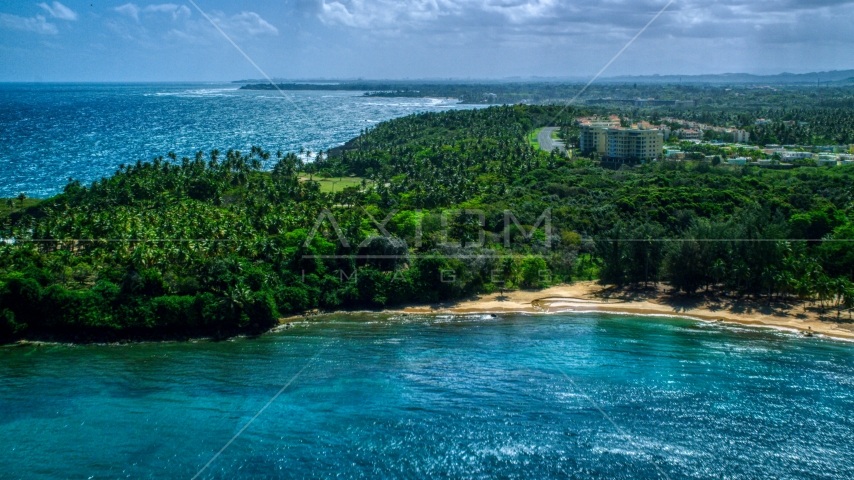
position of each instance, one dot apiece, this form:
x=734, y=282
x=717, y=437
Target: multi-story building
x=688, y=127
x=634, y=143
x=739, y=136
x=593, y=132
x=689, y=134
x=618, y=143
x=593, y=139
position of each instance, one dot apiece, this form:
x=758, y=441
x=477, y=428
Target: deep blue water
x=579, y=396
x=51, y=132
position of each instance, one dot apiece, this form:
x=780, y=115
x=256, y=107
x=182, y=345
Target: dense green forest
x=218, y=243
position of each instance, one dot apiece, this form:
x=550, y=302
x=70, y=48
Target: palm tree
x=741, y=272
x=21, y=197
x=786, y=283
x=718, y=271
x=848, y=298
x=824, y=288
x=805, y=288
x=768, y=277
x=838, y=287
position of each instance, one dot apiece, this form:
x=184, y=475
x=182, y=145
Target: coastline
x=578, y=297
x=591, y=297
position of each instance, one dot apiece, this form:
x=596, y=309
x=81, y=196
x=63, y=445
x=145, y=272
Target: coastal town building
x=640, y=142
x=673, y=154
x=739, y=136
x=607, y=122
x=593, y=139
x=735, y=135
x=593, y=133
x=788, y=156
x=827, y=160
x=640, y=102
x=634, y=143
x=689, y=134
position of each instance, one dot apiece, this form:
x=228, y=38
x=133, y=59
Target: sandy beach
x=590, y=296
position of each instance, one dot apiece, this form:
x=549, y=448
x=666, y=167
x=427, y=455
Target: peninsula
x=428, y=208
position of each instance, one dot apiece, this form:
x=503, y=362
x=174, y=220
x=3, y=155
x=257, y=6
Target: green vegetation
x=9, y=206
x=333, y=184
x=532, y=138
x=218, y=244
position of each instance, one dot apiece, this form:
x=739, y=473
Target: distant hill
x=835, y=76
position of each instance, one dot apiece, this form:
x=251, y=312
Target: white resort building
x=618, y=143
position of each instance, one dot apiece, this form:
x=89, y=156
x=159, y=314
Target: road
x=544, y=138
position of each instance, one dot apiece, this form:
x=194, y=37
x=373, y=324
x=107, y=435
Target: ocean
x=52, y=132
x=455, y=396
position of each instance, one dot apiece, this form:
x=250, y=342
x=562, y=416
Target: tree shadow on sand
x=717, y=301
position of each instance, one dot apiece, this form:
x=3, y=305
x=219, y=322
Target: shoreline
x=578, y=297
x=581, y=297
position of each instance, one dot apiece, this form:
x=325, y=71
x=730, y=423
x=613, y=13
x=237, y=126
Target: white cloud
x=36, y=24
x=150, y=22
x=244, y=24
x=177, y=11
x=396, y=14
x=586, y=22
x=521, y=11
x=383, y=13
x=129, y=9
x=132, y=10
x=60, y=11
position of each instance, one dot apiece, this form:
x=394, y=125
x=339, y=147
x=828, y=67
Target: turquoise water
x=457, y=396
x=51, y=132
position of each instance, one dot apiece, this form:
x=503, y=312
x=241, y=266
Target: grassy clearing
x=5, y=210
x=532, y=138
x=333, y=184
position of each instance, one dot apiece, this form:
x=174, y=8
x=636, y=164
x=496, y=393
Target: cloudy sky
x=97, y=40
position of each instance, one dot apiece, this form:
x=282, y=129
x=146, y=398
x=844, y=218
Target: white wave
x=201, y=92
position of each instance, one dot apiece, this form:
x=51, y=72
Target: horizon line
x=438, y=79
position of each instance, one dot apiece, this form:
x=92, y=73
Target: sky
x=115, y=41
